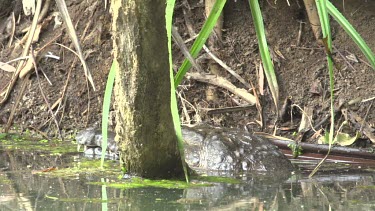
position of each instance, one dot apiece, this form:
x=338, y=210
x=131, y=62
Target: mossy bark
x=145, y=131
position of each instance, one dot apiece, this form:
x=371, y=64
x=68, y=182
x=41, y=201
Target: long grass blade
x=201, y=39
x=264, y=52
x=356, y=37
x=73, y=35
x=327, y=39
x=174, y=109
x=105, y=111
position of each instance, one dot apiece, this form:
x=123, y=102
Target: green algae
x=52, y=147
x=137, y=182
x=215, y=179
x=3, y=135
x=371, y=187
x=111, y=170
x=58, y=148
x=87, y=167
x=4, y=180
x=89, y=200
x=88, y=164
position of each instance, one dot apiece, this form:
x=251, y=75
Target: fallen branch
x=319, y=148
x=223, y=83
x=226, y=109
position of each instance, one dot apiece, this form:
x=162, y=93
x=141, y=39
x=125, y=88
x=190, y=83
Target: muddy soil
x=300, y=67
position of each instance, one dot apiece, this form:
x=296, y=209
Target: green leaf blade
x=201, y=39
x=356, y=37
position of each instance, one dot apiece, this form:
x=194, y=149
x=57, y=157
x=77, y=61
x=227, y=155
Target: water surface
x=22, y=187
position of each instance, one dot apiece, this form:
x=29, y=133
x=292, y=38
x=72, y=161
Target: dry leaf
x=344, y=139
x=306, y=118
x=6, y=67
x=28, y=7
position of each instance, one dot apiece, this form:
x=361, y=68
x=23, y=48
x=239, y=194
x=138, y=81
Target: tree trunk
x=145, y=131
x=313, y=15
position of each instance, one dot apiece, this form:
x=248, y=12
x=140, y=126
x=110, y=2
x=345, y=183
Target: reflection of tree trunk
x=144, y=128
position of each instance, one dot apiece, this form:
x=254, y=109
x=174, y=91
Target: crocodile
x=210, y=148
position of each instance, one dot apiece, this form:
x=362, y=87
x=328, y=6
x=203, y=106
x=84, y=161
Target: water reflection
x=20, y=189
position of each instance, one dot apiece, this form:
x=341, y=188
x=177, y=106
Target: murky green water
x=23, y=187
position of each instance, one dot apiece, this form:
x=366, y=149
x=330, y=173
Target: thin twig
x=13, y=80
x=300, y=33
x=343, y=57
x=180, y=42
x=364, y=118
x=184, y=108
x=192, y=33
x=73, y=36
x=29, y=68
x=364, y=62
x=44, y=11
x=320, y=163
x=66, y=85
x=226, y=67
x=305, y=48
x=24, y=83
x=369, y=99
x=41, y=91
x=308, y=117
x=258, y=106
x=13, y=30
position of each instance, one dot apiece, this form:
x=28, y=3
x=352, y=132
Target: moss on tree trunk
x=144, y=128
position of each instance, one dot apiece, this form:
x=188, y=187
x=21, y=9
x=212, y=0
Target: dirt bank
x=300, y=68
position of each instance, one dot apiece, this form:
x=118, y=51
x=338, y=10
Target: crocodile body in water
x=208, y=148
